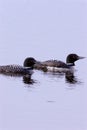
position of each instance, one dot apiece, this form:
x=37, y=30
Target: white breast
x=56, y=69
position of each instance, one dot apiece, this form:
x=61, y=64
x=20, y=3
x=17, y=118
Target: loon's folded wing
x=55, y=63
x=15, y=69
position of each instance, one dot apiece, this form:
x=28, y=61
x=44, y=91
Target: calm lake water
x=44, y=30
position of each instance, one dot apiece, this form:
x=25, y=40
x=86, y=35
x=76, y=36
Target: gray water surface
x=44, y=30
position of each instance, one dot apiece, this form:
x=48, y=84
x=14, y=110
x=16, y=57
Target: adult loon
x=57, y=65
x=17, y=69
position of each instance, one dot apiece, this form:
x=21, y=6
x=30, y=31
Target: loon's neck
x=30, y=67
x=71, y=64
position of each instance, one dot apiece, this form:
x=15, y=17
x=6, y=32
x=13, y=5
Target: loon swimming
x=57, y=65
x=49, y=65
x=17, y=69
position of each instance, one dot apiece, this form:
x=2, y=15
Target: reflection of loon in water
x=28, y=80
x=70, y=78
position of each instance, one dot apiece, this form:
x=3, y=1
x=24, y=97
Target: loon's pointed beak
x=81, y=57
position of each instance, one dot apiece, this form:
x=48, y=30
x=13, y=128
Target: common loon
x=17, y=69
x=58, y=66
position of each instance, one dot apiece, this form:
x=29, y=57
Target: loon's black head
x=29, y=62
x=71, y=58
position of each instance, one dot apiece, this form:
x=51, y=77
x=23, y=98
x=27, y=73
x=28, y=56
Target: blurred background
x=43, y=29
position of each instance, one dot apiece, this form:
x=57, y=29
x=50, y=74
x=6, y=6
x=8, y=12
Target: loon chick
x=58, y=66
x=17, y=69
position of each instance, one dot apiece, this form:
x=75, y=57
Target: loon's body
x=53, y=66
x=15, y=69
x=58, y=66
x=27, y=68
